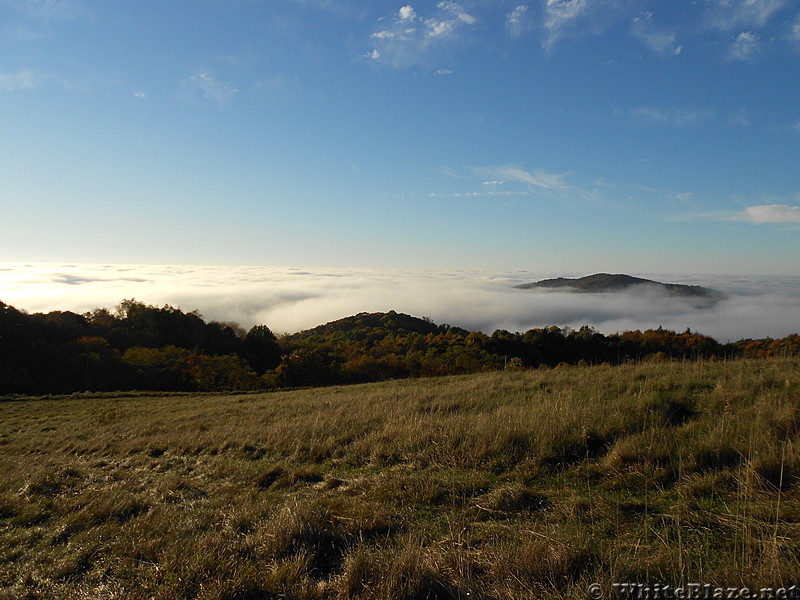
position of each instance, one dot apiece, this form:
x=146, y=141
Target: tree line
x=141, y=347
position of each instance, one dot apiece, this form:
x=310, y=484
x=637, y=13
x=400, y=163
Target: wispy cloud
x=670, y=116
x=23, y=33
x=281, y=88
x=410, y=34
x=730, y=14
x=519, y=21
x=773, y=213
x=59, y=9
x=406, y=37
x=481, y=194
x=745, y=46
x=543, y=184
x=335, y=7
x=27, y=79
x=794, y=29
x=770, y=213
x=563, y=18
x=658, y=40
x=739, y=118
x=205, y=86
x=573, y=18
x=19, y=80
x=538, y=179
x=559, y=15
x=47, y=9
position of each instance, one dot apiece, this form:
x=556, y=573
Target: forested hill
x=605, y=283
x=142, y=347
x=365, y=324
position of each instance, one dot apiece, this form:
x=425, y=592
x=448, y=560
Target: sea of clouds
x=292, y=299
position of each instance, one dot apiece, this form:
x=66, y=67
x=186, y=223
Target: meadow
x=515, y=484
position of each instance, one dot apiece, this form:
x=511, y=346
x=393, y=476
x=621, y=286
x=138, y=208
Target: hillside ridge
x=616, y=283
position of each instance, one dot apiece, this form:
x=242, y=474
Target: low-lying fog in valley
x=292, y=299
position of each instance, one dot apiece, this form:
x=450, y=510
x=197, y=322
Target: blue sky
x=552, y=135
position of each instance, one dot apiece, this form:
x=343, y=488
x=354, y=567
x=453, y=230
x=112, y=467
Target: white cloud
x=139, y=94
x=519, y=20
x=19, y=80
x=559, y=14
x=436, y=29
x=659, y=41
x=794, y=29
x=458, y=11
x=210, y=89
x=291, y=299
x=771, y=213
x=671, y=116
x=446, y=25
x=730, y=14
x=745, y=46
x=594, y=17
x=410, y=34
x=407, y=38
x=407, y=13
x=385, y=35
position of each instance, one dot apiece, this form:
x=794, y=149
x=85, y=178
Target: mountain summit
x=607, y=283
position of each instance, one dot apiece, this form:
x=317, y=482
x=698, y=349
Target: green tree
x=158, y=368
x=261, y=346
x=220, y=373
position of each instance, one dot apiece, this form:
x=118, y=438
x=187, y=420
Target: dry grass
x=513, y=485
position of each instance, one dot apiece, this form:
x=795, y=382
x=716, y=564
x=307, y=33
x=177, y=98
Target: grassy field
x=506, y=485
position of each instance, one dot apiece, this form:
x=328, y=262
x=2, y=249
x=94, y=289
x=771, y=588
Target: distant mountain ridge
x=608, y=283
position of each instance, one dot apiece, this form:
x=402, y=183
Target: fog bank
x=292, y=299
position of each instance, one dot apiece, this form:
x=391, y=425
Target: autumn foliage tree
x=138, y=346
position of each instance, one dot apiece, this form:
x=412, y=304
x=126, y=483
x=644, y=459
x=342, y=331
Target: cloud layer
x=292, y=299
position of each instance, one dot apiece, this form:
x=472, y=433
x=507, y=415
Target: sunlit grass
x=506, y=485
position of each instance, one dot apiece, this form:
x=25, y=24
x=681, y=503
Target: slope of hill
x=608, y=283
x=494, y=486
